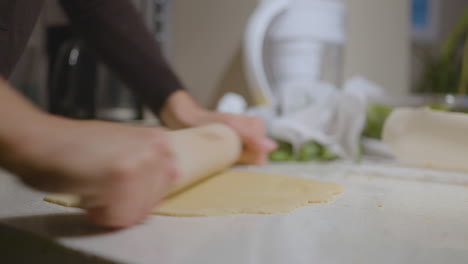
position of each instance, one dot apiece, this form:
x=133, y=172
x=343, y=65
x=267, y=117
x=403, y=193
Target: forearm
x=16, y=115
x=181, y=111
x=20, y=122
x=115, y=29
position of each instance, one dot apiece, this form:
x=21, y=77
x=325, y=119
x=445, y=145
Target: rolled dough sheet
x=236, y=192
x=428, y=138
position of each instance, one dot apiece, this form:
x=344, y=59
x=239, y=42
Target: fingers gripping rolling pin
x=201, y=152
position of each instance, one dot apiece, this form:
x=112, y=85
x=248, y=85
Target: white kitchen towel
x=335, y=119
x=332, y=117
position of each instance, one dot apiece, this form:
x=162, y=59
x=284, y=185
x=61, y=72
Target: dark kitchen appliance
x=81, y=86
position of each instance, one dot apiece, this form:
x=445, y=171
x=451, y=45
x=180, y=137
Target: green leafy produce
x=310, y=151
x=376, y=115
x=280, y=155
x=327, y=155
x=438, y=107
x=447, y=71
x=284, y=152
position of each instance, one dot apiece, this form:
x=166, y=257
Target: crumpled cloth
x=330, y=116
x=334, y=119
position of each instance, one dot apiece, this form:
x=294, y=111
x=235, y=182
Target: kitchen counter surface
x=377, y=219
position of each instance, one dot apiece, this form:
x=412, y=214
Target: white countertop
x=376, y=220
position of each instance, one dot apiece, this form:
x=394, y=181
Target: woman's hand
x=121, y=171
x=181, y=111
x=256, y=145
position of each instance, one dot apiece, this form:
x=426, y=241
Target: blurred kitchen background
x=401, y=45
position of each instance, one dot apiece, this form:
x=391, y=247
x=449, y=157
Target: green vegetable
x=280, y=155
x=327, y=155
x=284, y=152
x=446, y=72
x=438, y=107
x=283, y=145
x=310, y=151
x=376, y=115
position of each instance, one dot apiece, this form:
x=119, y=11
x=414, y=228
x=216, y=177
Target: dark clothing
x=112, y=27
x=17, y=19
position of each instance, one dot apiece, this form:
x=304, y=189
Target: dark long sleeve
x=117, y=32
x=17, y=20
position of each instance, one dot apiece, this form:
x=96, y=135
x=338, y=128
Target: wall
x=378, y=43
x=206, y=45
x=207, y=40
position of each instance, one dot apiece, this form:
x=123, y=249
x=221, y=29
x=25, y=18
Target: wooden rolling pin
x=199, y=152
x=203, y=151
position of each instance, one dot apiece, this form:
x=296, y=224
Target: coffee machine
x=81, y=86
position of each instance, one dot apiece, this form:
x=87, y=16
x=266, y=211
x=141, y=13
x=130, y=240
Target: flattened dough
x=236, y=192
x=428, y=138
